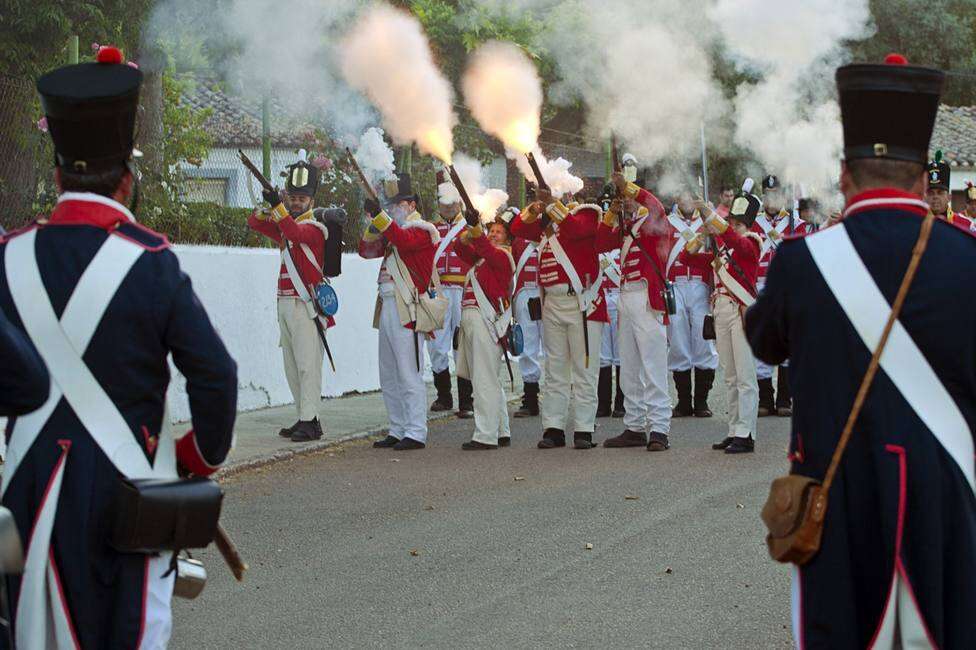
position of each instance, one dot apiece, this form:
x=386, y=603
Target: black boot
x=767, y=402
x=386, y=443
x=583, y=440
x=604, y=392
x=465, y=399
x=444, y=401
x=306, y=431
x=682, y=383
x=530, y=401
x=741, y=446
x=286, y=433
x=618, y=400
x=703, y=385
x=552, y=438
x=784, y=405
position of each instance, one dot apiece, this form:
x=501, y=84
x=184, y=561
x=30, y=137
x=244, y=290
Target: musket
x=508, y=363
x=468, y=205
x=540, y=182
x=265, y=183
x=362, y=177
x=704, y=149
x=615, y=154
x=268, y=187
x=229, y=552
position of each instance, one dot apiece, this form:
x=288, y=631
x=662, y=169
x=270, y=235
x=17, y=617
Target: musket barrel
x=362, y=177
x=539, y=180
x=460, y=188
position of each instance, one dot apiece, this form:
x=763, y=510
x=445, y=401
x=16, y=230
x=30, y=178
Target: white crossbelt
x=62, y=345
x=686, y=232
x=767, y=227
x=451, y=234
x=497, y=323
x=585, y=295
x=612, y=269
x=527, y=254
x=867, y=309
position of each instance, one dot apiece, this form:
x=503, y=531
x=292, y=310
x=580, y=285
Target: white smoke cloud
x=387, y=57
x=487, y=201
x=555, y=172
x=375, y=157
x=790, y=119
x=502, y=88
x=284, y=50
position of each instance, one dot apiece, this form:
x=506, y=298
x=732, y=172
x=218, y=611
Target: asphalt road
x=442, y=548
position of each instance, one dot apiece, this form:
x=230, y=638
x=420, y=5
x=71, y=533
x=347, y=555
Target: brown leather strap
x=862, y=393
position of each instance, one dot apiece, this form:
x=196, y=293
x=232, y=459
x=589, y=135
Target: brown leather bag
x=796, y=508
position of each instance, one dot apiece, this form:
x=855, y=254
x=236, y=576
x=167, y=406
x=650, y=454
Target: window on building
x=206, y=190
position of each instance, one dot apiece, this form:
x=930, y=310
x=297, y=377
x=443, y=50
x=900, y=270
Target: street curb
x=250, y=464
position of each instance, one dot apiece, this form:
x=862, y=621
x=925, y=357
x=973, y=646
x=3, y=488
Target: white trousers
x=688, y=349
x=484, y=358
x=643, y=367
x=158, y=618
x=441, y=347
x=402, y=384
x=530, y=362
x=738, y=366
x=302, y=351
x=570, y=382
x=610, y=346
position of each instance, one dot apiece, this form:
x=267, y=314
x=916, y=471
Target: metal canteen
x=11, y=550
x=516, y=340
x=669, y=301
x=191, y=578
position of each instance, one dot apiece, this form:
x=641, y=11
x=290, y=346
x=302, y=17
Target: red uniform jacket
x=529, y=275
x=768, y=249
x=655, y=236
x=694, y=268
x=308, y=232
x=577, y=235
x=745, y=253
x=450, y=267
x=494, y=274
x=959, y=220
x=415, y=241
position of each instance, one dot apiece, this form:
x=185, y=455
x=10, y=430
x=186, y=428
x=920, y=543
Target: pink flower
x=132, y=64
x=42, y=124
x=322, y=162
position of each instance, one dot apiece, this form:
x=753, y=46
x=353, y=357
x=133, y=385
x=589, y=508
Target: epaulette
x=145, y=237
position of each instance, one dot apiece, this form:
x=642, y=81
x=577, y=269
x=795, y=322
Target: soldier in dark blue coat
x=104, y=302
x=24, y=380
x=897, y=562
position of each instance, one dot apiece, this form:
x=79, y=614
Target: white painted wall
x=238, y=288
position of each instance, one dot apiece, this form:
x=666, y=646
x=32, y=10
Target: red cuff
x=189, y=457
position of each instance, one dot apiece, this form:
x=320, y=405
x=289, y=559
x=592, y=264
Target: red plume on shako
x=109, y=54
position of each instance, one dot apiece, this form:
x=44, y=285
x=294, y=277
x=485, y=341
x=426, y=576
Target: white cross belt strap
x=62, y=345
x=524, y=259
x=586, y=296
x=451, y=234
x=866, y=308
x=686, y=232
x=498, y=324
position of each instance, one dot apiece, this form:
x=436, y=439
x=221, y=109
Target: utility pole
x=265, y=138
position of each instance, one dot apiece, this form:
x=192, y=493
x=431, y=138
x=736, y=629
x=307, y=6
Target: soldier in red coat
x=301, y=232
x=485, y=318
x=573, y=313
x=526, y=293
x=939, y=194
x=644, y=237
x=406, y=244
x=733, y=251
x=690, y=352
x=452, y=271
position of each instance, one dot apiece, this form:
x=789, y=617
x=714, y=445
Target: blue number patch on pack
x=327, y=299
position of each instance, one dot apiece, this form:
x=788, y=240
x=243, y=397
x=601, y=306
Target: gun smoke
x=387, y=57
